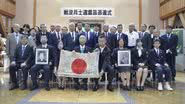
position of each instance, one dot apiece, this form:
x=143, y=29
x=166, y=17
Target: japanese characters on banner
x=88, y=12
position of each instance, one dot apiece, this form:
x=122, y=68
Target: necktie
x=23, y=49
x=73, y=36
x=58, y=35
x=82, y=50
x=17, y=38
x=158, y=52
x=168, y=36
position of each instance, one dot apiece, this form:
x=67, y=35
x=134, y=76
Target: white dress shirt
x=132, y=37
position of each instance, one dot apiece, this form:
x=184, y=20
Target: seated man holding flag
x=104, y=63
x=82, y=48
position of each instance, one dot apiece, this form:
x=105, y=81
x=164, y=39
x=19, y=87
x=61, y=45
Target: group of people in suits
x=149, y=51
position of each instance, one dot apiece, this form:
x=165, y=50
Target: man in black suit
x=97, y=33
x=82, y=48
x=156, y=36
x=22, y=60
x=52, y=29
x=157, y=60
x=71, y=38
x=145, y=37
x=46, y=67
x=151, y=39
x=91, y=39
x=120, y=35
x=109, y=37
x=170, y=47
x=79, y=27
x=104, y=63
x=57, y=37
x=43, y=32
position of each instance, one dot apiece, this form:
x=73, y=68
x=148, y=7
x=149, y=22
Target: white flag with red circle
x=78, y=65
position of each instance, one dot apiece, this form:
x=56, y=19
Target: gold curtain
x=182, y=18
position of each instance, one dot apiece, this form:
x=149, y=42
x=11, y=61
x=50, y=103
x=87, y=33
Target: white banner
x=78, y=65
x=87, y=12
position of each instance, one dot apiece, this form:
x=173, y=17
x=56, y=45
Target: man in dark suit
x=71, y=38
x=156, y=34
x=151, y=39
x=57, y=37
x=82, y=48
x=22, y=60
x=109, y=37
x=52, y=29
x=79, y=27
x=145, y=37
x=120, y=35
x=46, y=67
x=91, y=39
x=97, y=33
x=170, y=47
x=43, y=32
x=104, y=63
x=157, y=60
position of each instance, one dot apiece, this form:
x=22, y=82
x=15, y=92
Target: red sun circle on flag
x=78, y=66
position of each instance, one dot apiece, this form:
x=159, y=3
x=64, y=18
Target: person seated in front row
x=104, y=63
x=139, y=60
x=157, y=59
x=21, y=60
x=46, y=67
x=123, y=70
x=82, y=48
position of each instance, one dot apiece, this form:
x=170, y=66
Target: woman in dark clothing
x=139, y=61
x=124, y=71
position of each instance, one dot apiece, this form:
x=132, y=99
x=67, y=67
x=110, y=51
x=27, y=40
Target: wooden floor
x=102, y=96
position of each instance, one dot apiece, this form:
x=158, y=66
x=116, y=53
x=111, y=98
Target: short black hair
x=120, y=25
x=169, y=26
x=79, y=22
x=156, y=40
x=145, y=25
x=151, y=26
x=26, y=25
x=138, y=40
x=101, y=36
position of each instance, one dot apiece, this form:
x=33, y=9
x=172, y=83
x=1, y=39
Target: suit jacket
x=104, y=58
x=52, y=54
x=136, y=59
x=154, y=58
x=86, y=50
x=69, y=43
x=110, y=40
x=91, y=41
x=171, y=43
x=20, y=57
x=11, y=44
x=96, y=37
x=146, y=40
x=55, y=40
x=38, y=35
x=124, y=37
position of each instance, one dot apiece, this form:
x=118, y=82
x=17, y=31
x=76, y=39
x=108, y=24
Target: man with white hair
x=57, y=38
x=82, y=48
x=11, y=43
x=71, y=38
x=132, y=36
